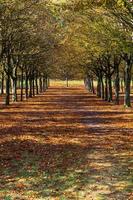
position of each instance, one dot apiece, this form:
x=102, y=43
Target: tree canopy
x=61, y=38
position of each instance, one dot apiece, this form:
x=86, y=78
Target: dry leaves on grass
x=66, y=144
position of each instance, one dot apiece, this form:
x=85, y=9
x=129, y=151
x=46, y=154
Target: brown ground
x=66, y=144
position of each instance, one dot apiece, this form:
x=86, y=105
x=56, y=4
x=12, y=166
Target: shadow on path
x=66, y=144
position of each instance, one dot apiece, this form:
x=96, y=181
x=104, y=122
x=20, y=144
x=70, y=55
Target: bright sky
x=59, y=1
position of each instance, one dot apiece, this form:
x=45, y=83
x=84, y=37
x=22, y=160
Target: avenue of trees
x=66, y=39
x=26, y=43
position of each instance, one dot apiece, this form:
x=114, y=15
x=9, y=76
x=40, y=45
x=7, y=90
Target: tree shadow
x=63, y=170
x=65, y=151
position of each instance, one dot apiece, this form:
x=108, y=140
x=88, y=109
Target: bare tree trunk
x=30, y=83
x=19, y=82
x=102, y=88
x=86, y=83
x=110, y=96
x=14, y=89
x=99, y=87
x=37, y=90
x=67, y=82
x=127, y=99
x=22, y=84
x=93, y=89
x=2, y=84
x=48, y=82
x=117, y=85
x=44, y=84
x=40, y=84
x=122, y=86
x=89, y=84
x=33, y=83
x=26, y=86
x=106, y=88
x=7, y=102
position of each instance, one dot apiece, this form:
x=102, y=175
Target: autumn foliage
x=66, y=144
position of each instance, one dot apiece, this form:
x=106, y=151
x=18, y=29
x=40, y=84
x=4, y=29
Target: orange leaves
x=20, y=185
x=63, y=144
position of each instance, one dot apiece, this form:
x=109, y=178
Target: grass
x=72, y=83
x=66, y=144
x=27, y=181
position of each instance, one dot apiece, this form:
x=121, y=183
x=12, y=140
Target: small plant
x=8, y=198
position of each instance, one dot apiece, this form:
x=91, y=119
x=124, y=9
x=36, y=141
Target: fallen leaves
x=66, y=144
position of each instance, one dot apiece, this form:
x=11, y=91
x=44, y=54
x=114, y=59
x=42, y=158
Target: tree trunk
x=37, y=90
x=7, y=102
x=48, y=83
x=110, y=89
x=67, y=82
x=40, y=84
x=102, y=88
x=33, y=87
x=19, y=82
x=86, y=83
x=117, y=85
x=89, y=85
x=106, y=88
x=2, y=84
x=127, y=100
x=22, y=84
x=122, y=86
x=26, y=86
x=99, y=87
x=30, y=83
x=14, y=90
x=92, y=84
x=91, y=89
x=44, y=84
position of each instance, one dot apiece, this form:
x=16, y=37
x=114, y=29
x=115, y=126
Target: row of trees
x=114, y=61
x=101, y=39
x=66, y=39
x=26, y=45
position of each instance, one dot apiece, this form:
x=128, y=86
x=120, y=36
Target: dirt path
x=65, y=145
